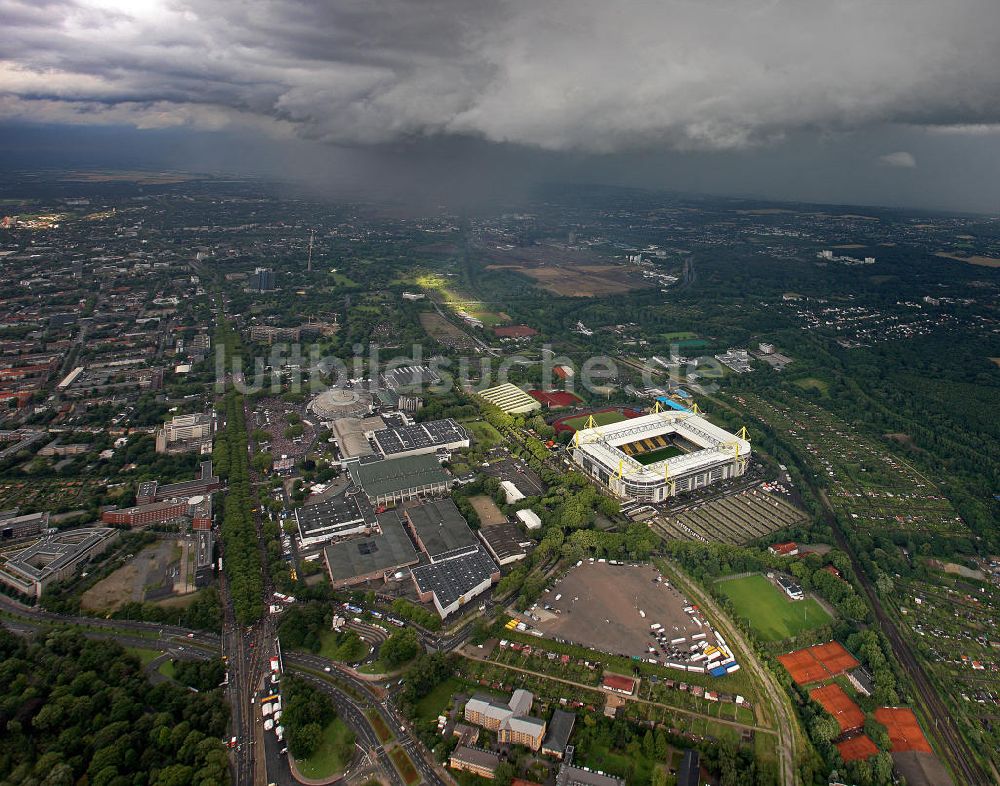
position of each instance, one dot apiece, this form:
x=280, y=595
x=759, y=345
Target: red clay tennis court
x=834, y=657
x=803, y=667
x=833, y=699
x=555, y=398
x=860, y=747
x=904, y=731
x=818, y=662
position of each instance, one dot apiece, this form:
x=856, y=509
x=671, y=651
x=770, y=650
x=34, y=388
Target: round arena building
x=341, y=403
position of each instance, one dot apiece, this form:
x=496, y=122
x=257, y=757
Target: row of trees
x=239, y=535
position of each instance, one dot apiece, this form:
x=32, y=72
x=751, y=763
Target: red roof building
x=789, y=549
x=618, y=684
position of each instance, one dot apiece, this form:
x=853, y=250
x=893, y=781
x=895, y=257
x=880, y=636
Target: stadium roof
x=454, y=578
x=441, y=528
x=420, y=437
x=716, y=445
x=390, y=550
x=510, y=398
x=385, y=477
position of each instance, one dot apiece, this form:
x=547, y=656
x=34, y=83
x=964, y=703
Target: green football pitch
x=774, y=616
x=600, y=419
x=658, y=455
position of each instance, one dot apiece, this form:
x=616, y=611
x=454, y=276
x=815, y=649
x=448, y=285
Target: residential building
x=475, y=760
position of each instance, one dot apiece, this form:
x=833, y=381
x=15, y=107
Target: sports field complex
x=770, y=613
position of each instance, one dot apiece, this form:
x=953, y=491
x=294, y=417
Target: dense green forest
x=76, y=710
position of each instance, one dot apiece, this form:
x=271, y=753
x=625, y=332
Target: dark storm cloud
x=562, y=75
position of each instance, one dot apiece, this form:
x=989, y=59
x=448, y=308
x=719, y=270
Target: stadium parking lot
x=599, y=607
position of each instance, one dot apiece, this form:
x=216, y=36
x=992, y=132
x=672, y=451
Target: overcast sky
x=894, y=101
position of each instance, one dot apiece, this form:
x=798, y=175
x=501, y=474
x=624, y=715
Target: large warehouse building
x=656, y=456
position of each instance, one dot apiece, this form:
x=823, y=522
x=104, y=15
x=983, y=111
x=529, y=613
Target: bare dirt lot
x=487, y=510
x=148, y=570
x=600, y=607
x=567, y=271
x=972, y=260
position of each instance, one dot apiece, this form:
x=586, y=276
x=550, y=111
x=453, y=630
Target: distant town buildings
x=828, y=256
x=263, y=280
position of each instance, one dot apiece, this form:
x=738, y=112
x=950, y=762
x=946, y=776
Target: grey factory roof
x=420, y=436
x=576, y=776
x=205, y=477
x=384, y=477
x=559, y=731
x=441, y=528
x=505, y=541
x=476, y=756
x=410, y=376
x=342, y=511
x=350, y=435
x=362, y=556
x=50, y=555
x=454, y=578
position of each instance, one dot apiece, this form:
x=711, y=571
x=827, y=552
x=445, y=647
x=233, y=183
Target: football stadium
x=660, y=455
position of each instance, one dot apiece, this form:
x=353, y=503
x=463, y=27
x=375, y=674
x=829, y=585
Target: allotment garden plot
x=953, y=624
x=734, y=519
x=868, y=487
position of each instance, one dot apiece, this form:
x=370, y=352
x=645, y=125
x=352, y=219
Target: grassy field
x=813, y=383
x=600, y=418
x=378, y=723
x=434, y=703
x=144, y=655
x=166, y=669
x=680, y=335
x=350, y=651
x=483, y=434
x=769, y=612
x=378, y=666
x=658, y=455
x=333, y=753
